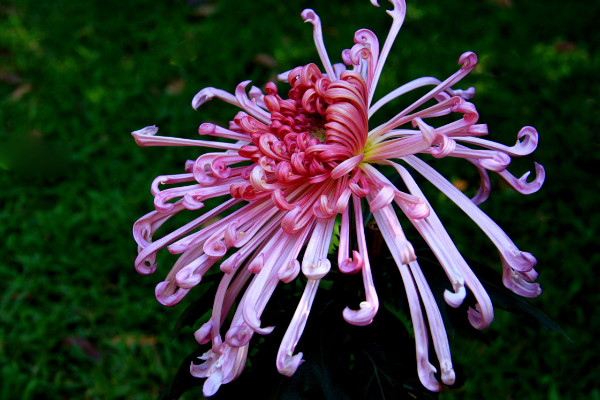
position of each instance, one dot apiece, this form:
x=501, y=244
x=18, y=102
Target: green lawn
x=76, y=77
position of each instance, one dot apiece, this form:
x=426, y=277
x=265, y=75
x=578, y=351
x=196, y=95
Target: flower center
x=319, y=133
x=322, y=124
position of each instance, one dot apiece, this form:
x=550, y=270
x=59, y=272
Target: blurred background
x=77, y=321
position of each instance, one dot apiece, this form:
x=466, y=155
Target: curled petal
x=289, y=222
x=426, y=373
x=212, y=383
x=347, y=57
x=360, y=188
x=365, y=53
x=209, y=93
x=351, y=265
x=456, y=298
x=470, y=116
x=215, y=130
x=146, y=265
x=468, y=60
x=528, y=144
x=406, y=251
x=150, y=140
x=399, y=10
x=516, y=282
x=220, y=168
x=257, y=96
x=384, y=196
x=258, y=180
x=202, y=170
x=203, y=370
x=146, y=131
x=214, y=247
x=192, y=201
x=251, y=318
x=527, y=141
x=256, y=265
x=530, y=275
x=238, y=336
x=416, y=210
x=143, y=231
x=287, y=364
x=476, y=318
x=168, y=294
x=523, y=186
x=289, y=271
x=145, y=227
x=316, y=270
x=187, y=278
x=162, y=199
x=465, y=94
x=359, y=53
x=279, y=200
x=363, y=316
x=444, y=147
x=203, y=335
x=250, y=105
x=342, y=202
x=231, y=263
x=322, y=209
x=521, y=261
x=427, y=131
x=448, y=374
x=232, y=235
x=293, y=221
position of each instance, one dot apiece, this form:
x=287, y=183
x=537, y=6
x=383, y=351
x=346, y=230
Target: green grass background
x=76, y=77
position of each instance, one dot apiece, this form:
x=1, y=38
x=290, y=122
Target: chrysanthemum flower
x=292, y=166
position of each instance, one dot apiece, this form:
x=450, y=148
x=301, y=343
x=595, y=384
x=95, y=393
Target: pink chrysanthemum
x=292, y=165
